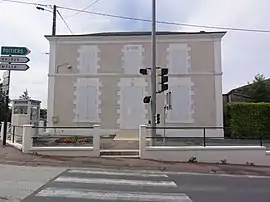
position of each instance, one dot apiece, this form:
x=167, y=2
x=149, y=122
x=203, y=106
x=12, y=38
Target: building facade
x=94, y=79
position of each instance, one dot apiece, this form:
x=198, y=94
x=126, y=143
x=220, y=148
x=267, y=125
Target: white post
x=96, y=139
x=2, y=131
x=41, y=130
x=27, y=141
x=142, y=139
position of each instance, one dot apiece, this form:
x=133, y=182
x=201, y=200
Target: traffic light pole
x=153, y=70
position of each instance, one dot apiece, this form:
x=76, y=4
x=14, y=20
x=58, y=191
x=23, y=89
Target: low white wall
x=209, y=154
x=27, y=145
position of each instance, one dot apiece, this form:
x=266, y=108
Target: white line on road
x=116, y=181
x=112, y=195
x=138, y=174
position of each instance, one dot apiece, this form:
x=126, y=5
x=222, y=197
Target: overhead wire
x=78, y=12
x=64, y=21
x=166, y=22
x=146, y=20
x=26, y=2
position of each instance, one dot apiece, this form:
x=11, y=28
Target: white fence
x=256, y=155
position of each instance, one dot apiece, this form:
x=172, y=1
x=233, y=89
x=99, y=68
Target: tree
x=25, y=95
x=259, y=90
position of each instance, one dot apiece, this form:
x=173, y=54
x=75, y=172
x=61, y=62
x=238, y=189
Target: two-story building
x=94, y=79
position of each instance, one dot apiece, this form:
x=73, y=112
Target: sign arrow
x=16, y=67
x=14, y=59
x=7, y=50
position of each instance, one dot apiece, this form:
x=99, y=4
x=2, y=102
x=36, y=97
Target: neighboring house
x=240, y=94
x=94, y=79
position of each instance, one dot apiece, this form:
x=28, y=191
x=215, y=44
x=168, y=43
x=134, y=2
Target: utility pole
x=153, y=70
x=54, y=20
x=6, y=111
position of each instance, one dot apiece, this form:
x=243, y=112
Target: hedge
x=249, y=120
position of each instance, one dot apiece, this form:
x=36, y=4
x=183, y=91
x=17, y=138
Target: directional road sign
x=8, y=50
x=16, y=67
x=14, y=59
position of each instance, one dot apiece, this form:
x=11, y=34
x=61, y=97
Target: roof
x=138, y=34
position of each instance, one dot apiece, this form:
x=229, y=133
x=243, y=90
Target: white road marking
x=137, y=174
x=112, y=195
x=116, y=181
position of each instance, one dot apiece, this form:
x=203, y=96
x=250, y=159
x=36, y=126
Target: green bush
x=249, y=120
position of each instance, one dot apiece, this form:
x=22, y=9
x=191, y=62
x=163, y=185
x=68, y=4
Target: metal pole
x=153, y=70
x=6, y=111
x=54, y=20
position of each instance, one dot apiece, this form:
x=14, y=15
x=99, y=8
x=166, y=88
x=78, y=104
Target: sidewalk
x=10, y=155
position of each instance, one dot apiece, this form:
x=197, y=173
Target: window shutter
x=82, y=102
x=181, y=104
x=88, y=60
x=178, y=59
x=92, y=105
x=132, y=59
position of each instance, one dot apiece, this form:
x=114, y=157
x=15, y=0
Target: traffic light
x=157, y=119
x=147, y=99
x=164, y=78
x=143, y=71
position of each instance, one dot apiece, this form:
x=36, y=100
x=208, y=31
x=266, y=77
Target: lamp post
x=54, y=17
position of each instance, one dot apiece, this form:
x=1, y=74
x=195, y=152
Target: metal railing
x=14, y=132
x=205, y=140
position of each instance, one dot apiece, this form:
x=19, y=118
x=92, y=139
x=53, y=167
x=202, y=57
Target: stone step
x=120, y=153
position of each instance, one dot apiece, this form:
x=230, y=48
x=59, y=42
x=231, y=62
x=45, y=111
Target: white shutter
x=88, y=59
x=92, y=105
x=178, y=59
x=82, y=102
x=87, y=102
x=132, y=108
x=132, y=59
x=181, y=104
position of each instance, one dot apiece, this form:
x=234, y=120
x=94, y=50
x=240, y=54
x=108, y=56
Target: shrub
x=249, y=120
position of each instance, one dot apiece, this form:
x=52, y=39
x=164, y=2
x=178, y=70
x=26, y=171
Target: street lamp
x=54, y=17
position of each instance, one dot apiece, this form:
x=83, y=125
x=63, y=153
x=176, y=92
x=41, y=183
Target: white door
x=132, y=109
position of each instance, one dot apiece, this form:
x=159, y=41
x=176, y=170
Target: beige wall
x=201, y=74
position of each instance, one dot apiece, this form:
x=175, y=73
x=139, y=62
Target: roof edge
x=139, y=34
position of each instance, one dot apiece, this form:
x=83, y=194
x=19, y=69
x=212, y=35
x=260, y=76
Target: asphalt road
x=110, y=185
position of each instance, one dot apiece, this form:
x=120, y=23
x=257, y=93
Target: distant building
x=94, y=79
x=240, y=94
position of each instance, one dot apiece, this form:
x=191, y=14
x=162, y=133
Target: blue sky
x=244, y=54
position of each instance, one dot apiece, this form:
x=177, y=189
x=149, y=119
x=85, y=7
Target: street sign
x=8, y=50
x=14, y=59
x=16, y=67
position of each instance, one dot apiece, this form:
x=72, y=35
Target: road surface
x=98, y=185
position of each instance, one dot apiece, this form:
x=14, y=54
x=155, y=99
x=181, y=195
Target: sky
x=244, y=54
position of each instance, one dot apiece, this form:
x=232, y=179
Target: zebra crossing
x=107, y=185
